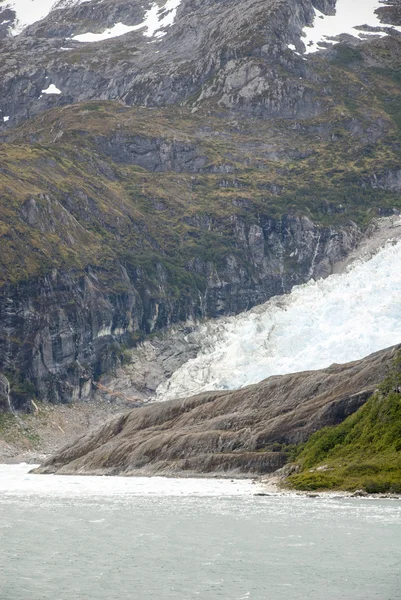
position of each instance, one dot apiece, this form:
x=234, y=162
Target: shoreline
x=273, y=487
x=269, y=486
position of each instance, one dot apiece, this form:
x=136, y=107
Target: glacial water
x=339, y=319
x=106, y=538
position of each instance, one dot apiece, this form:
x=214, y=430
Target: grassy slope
x=101, y=210
x=363, y=452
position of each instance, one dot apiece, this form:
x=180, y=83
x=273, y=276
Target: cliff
x=107, y=237
x=242, y=432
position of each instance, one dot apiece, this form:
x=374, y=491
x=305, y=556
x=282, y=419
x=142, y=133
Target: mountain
x=248, y=431
x=175, y=161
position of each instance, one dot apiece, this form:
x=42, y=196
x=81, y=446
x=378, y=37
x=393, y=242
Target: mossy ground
x=17, y=430
x=50, y=426
x=93, y=219
x=102, y=210
x=363, y=452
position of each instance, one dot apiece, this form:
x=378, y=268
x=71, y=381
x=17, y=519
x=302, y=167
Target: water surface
x=112, y=538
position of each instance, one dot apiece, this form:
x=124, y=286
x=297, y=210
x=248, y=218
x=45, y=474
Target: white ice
x=115, y=31
x=16, y=481
x=156, y=19
x=31, y=11
x=342, y=318
x=350, y=14
x=52, y=89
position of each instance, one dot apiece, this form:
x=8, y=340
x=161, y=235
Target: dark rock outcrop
x=63, y=330
x=238, y=432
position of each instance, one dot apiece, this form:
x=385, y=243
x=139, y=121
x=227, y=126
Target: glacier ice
x=16, y=482
x=339, y=319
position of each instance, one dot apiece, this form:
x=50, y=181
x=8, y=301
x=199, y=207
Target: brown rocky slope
x=240, y=432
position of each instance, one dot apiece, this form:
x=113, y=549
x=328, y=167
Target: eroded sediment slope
x=244, y=431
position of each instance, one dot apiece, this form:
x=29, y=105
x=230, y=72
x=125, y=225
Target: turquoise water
x=71, y=538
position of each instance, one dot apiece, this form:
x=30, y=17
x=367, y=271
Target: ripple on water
x=106, y=542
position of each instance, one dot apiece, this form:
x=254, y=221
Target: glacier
x=339, y=319
x=16, y=481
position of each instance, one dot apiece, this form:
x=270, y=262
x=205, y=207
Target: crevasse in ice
x=342, y=318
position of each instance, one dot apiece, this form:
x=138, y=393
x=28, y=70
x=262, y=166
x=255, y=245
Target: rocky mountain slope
x=228, y=432
x=212, y=51
x=195, y=166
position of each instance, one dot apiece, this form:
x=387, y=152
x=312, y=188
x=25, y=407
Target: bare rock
x=224, y=432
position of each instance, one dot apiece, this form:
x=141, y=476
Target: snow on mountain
x=348, y=18
x=28, y=12
x=31, y=11
x=52, y=89
x=342, y=318
x=115, y=31
x=156, y=19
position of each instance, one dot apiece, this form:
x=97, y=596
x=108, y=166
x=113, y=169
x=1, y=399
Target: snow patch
x=104, y=331
x=5, y=119
x=30, y=11
x=115, y=31
x=339, y=319
x=52, y=89
x=349, y=16
x=156, y=19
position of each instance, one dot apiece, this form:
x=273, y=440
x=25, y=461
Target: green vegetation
x=69, y=201
x=64, y=204
x=346, y=55
x=7, y=420
x=18, y=430
x=363, y=452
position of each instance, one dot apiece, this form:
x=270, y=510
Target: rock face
x=234, y=55
x=62, y=331
x=240, y=432
x=213, y=49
